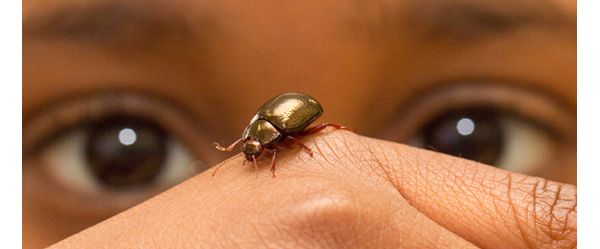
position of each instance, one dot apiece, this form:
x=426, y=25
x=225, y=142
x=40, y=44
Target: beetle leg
x=255, y=166
x=296, y=141
x=273, y=162
x=228, y=148
x=323, y=126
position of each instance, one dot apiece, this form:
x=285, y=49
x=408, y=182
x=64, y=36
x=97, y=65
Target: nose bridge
x=293, y=43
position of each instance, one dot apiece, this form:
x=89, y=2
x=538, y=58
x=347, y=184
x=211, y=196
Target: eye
x=488, y=136
x=105, y=160
x=502, y=126
x=117, y=154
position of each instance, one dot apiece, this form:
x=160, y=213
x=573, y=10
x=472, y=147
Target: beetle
x=282, y=119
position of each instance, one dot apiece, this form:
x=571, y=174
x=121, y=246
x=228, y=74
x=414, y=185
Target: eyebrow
x=467, y=21
x=138, y=24
x=119, y=24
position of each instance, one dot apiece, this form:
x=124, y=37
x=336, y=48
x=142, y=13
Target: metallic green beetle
x=281, y=119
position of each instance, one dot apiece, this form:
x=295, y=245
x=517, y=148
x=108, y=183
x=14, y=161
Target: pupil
x=125, y=152
x=474, y=134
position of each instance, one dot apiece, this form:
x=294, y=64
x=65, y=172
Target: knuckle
x=335, y=141
x=330, y=214
x=340, y=149
x=545, y=212
x=331, y=218
x=554, y=212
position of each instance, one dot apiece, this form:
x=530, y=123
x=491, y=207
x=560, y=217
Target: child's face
x=192, y=72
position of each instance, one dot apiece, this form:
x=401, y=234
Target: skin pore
x=202, y=68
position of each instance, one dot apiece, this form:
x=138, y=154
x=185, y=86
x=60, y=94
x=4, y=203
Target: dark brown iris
x=124, y=153
x=476, y=134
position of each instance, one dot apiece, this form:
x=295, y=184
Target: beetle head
x=252, y=147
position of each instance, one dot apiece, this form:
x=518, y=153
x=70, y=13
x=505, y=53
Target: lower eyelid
x=64, y=200
x=55, y=188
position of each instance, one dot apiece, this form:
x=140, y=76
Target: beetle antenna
x=255, y=166
x=228, y=148
x=218, y=167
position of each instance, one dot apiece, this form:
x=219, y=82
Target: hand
x=356, y=192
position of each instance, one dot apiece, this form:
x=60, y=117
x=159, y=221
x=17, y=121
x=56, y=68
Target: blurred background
x=122, y=99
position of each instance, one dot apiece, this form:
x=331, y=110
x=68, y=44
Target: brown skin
x=368, y=63
x=355, y=192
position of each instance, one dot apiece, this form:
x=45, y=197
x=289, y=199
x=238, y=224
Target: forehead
x=289, y=36
x=305, y=17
